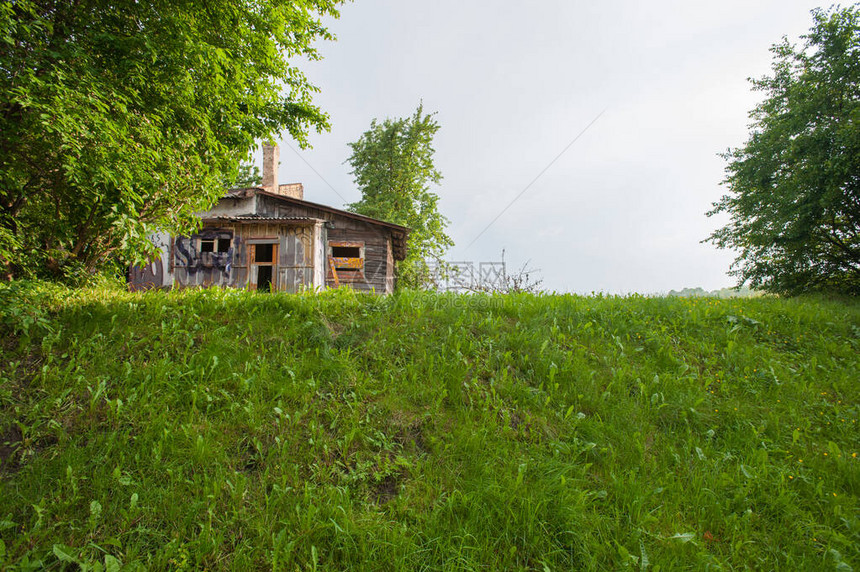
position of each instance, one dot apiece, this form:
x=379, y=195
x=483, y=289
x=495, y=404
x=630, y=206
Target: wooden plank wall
x=389, y=261
x=321, y=237
x=302, y=251
x=378, y=263
x=296, y=264
x=375, y=256
x=157, y=273
x=231, y=269
x=192, y=268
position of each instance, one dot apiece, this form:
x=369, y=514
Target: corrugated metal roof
x=398, y=235
x=248, y=191
x=260, y=218
x=333, y=210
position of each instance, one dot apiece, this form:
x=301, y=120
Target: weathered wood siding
x=157, y=273
x=192, y=268
x=389, y=262
x=302, y=246
x=296, y=263
x=378, y=272
x=321, y=237
x=292, y=272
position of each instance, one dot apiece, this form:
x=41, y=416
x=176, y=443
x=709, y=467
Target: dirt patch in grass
x=10, y=440
x=386, y=489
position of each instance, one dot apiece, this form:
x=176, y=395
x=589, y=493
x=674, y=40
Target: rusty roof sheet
x=340, y=212
x=261, y=218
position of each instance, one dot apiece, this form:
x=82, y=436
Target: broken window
x=346, y=251
x=346, y=261
x=214, y=245
x=347, y=255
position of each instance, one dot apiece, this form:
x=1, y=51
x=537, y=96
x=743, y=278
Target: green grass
x=231, y=430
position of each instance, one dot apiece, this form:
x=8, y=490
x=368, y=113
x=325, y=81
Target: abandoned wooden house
x=269, y=238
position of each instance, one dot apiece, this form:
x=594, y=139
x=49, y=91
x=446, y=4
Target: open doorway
x=263, y=271
x=264, y=279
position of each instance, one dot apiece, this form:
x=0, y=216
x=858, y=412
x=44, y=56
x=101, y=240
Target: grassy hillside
x=229, y=430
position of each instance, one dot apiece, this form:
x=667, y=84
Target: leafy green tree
x=794, y=187
x=247, y=176
x=393, y=166
x=121, y=118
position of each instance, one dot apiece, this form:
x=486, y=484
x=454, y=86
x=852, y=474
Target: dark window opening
x=347, y=258
x=263, y=252
x=346, y=252
x=214, y=244
x=264, y=279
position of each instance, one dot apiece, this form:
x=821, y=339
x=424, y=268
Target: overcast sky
x=622, y=210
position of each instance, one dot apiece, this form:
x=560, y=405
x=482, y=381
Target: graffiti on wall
x=155, y=274
x=206, y=259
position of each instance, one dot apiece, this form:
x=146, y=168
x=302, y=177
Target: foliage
x=794, y=195
x=219, y=429
x=393, y=166
x=247, y=176
x=122, y=118
x=25, y=307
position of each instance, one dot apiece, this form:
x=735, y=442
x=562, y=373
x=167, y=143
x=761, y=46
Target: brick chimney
x=271, y=156
x=294, y=190
x=271, y=160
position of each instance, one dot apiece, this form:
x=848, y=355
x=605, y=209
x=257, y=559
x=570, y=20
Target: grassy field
x=231, y=430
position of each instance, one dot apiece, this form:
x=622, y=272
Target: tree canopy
x=794, y=187
x=393, y=167
x=122, y=118
x=248, y=175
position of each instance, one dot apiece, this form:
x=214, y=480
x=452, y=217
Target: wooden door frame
x=253, y=266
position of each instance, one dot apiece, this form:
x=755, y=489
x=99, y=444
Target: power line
x=516, y=198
